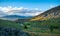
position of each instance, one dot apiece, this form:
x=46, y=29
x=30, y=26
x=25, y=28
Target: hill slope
x=43, y=28
x=51, y=13
x=9, y=28
x=6, y=23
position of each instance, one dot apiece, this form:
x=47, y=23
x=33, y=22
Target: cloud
x=9, y=8
x=2, y=14
x=20, y=11
x=26, y=14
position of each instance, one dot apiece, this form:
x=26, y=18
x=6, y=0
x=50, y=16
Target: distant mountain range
x=51, y=13
x=17, y=16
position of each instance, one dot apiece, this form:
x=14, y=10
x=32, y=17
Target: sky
x=42, y=5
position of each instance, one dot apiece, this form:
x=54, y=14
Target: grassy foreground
x=6, y=23
x=42, y=28
x=36, y=28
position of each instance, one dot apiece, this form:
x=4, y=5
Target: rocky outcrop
x=7, y=31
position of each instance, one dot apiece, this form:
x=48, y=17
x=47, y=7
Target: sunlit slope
x=51, y=13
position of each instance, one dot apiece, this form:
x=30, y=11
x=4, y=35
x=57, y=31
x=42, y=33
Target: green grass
x=35, y=28
x=6, y=23
x=43, y=27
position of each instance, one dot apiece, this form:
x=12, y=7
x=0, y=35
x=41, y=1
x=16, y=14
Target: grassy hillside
x=42, y=28
x=36, y=28
x=6, y=23
x=10, y=28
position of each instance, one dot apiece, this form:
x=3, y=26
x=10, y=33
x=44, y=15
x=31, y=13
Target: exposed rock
x=7, y=31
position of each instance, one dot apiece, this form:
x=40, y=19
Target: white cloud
x=5, y=9
x=28, y=14
x=20, y=11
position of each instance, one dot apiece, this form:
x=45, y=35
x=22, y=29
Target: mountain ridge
x=51, y=13
x=16, y=16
